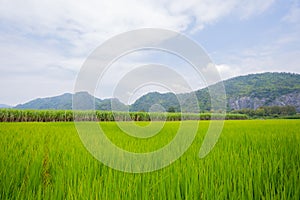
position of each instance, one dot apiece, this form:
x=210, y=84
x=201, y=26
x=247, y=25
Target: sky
x=43, y=44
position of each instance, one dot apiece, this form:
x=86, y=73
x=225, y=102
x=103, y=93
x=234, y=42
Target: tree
x=171, y=109
x=260, y=112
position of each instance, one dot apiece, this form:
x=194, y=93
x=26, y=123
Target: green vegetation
x=297, y=116
x=257, y=159
x=269, y=112
x=11, y=115
x=166, y=100
x=266, y=85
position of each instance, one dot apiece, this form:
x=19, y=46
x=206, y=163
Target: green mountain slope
x=266, y=85
x=166, y=100
x=250, y=91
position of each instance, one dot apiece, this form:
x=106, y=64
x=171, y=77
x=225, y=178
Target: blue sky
x=44, y=44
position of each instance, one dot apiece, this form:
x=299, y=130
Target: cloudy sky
x=43, y=44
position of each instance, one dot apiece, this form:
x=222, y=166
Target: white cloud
x=85, y=24
x=282, y=55
x=49, y=40
x=227, y=71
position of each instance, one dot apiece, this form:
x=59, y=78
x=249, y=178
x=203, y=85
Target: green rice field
x=253, y=159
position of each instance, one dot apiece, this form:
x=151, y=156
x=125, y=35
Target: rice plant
x=253, y=159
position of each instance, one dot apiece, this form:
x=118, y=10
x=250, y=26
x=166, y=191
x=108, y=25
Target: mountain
x=267, y=89
x=250, y=91
x=4, y=106
x=166, y=100
x=64, y=102
x=57, y=103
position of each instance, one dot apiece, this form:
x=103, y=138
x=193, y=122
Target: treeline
x=268, y=111
x=12, y=115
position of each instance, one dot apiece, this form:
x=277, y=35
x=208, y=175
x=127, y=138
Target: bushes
x=11, y=115
x=291, y=117
x=268, y=111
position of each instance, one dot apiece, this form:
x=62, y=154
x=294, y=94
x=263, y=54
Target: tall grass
x=257, y=159
x=11, y=115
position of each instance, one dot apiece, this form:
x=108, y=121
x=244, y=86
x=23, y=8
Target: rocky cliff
x=237, y=103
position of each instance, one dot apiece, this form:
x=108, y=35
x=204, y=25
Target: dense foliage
x=266, y=85
x=11, y=115
x=166, y=100
x=269, y=111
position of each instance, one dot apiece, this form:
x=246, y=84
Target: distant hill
x=57, y=103
x=5, y=106
x=64, y=102
x=250, y=91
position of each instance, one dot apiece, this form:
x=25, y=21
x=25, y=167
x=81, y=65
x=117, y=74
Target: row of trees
x=11, y=115
x=268, y=111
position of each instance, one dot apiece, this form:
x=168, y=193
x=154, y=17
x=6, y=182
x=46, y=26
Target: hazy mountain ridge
x=5, y=106
x=249, y=91
x=64, y=102
x=61, y=102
